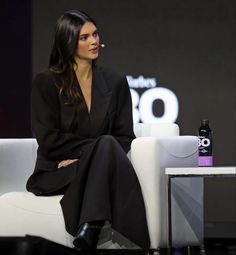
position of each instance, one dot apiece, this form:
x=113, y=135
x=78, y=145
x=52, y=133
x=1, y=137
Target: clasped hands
x=66, y=162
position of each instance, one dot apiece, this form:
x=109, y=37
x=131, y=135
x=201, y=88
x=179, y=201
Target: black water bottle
x=205, y=144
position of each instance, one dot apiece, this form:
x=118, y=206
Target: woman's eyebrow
x=88, y=34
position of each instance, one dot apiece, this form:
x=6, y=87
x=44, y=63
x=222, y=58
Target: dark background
x=188, y=46
x=15, y=68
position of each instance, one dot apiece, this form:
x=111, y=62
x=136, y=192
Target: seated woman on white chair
x=82, y=120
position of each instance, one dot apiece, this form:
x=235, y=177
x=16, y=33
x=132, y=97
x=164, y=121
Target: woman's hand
x=66, y=162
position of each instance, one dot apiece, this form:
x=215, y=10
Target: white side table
x=192, y=172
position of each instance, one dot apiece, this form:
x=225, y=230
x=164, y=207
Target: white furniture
x=201, y=171
x=183, y=197
x=156, y=147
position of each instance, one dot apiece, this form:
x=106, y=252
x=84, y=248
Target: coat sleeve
x=45, y=121
x=123, y=126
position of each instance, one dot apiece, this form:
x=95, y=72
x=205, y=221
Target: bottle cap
x=205, y=122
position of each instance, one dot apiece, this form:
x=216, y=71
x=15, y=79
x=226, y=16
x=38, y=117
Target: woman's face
x=88, y=42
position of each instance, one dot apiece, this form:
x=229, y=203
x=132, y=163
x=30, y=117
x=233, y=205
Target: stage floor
x=32, y=245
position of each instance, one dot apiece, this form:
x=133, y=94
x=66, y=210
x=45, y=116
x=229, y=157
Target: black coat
x=101, y=148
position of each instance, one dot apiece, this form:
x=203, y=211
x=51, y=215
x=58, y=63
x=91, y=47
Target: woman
x=82, y=120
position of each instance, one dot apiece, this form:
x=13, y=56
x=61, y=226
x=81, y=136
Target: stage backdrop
x=180, y=61
x=179, y=57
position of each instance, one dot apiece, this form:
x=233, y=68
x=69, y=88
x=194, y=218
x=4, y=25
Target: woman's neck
x=83, y=70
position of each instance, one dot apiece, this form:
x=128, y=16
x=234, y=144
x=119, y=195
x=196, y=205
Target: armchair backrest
x=17, y=160
x=156, y=129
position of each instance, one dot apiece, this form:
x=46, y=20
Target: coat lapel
x=67, y=113
x=101, y=96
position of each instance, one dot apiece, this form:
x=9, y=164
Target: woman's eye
x=83, y=38
x=95, y=34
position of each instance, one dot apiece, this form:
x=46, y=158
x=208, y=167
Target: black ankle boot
x=87, y=236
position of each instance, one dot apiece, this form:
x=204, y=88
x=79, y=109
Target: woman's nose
x=94, y=40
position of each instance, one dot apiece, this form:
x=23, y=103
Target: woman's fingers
x=66, y=162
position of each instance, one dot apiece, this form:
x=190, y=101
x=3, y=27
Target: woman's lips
x=94, y=50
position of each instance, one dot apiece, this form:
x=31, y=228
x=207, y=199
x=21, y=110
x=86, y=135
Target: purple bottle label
x=205, y=161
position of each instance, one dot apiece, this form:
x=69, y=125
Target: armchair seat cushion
x=23, y=213
x=27, y=201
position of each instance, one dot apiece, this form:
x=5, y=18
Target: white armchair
x=157, y=146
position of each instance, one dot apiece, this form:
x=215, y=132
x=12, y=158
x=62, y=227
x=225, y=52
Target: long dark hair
x=61, y=60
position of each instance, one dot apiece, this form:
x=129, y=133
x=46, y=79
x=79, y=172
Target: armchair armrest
x=150, y=156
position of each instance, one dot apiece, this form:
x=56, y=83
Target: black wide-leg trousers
x=106, y=188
